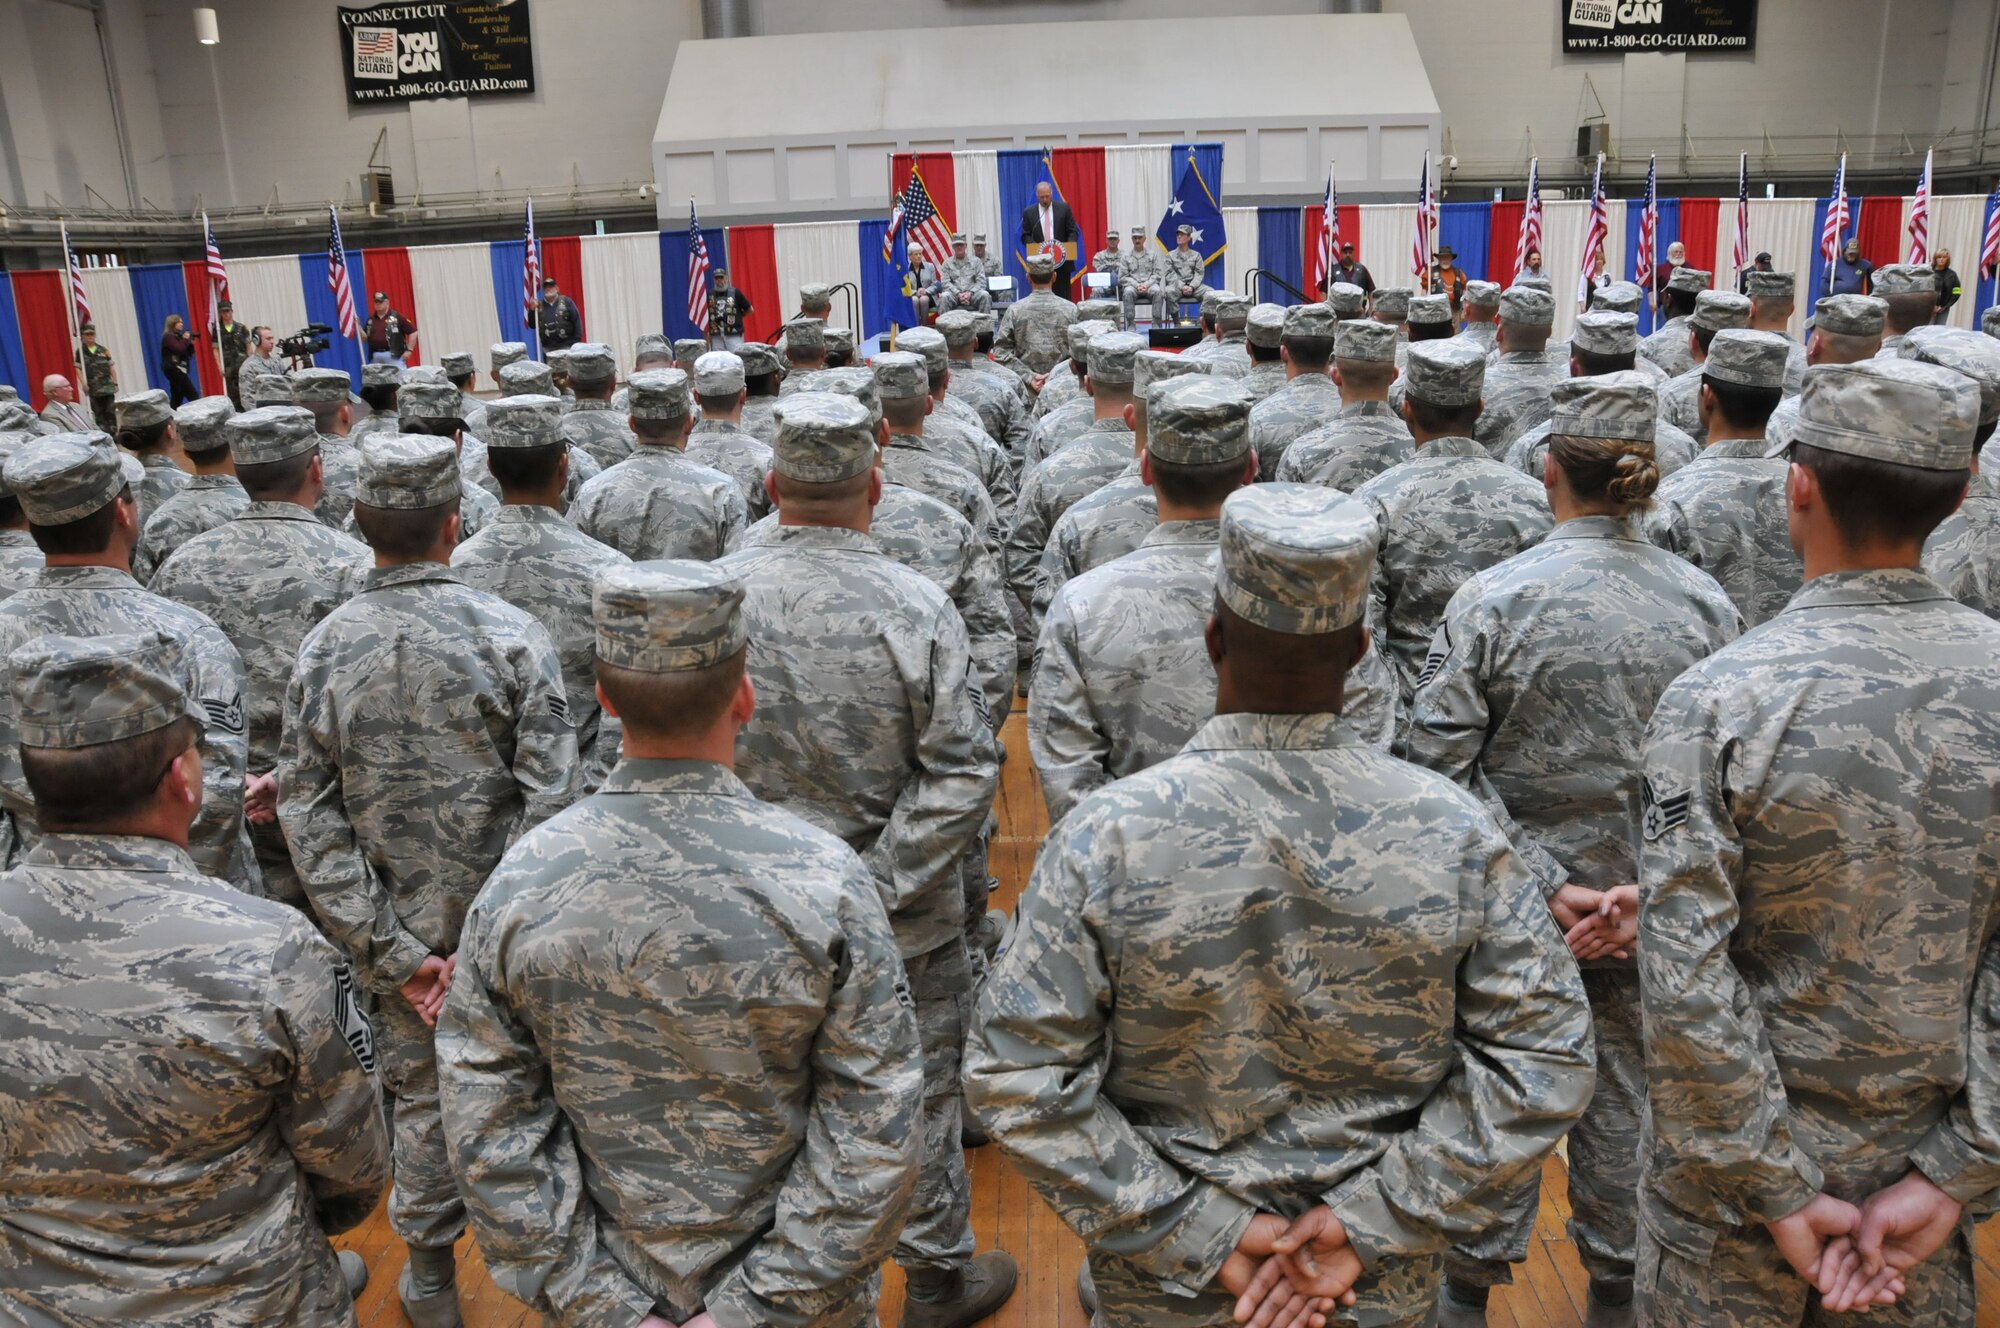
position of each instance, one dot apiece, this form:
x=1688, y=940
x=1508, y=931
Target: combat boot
x=961, y=1295
x=1462, y=1306
x=1610, y=1305
x=353, y=1271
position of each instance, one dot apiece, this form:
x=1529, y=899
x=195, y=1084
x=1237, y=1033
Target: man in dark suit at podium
x=1050, y=220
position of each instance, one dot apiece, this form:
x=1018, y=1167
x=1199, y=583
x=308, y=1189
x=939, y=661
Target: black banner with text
x=1621, y=27
x=444, y=48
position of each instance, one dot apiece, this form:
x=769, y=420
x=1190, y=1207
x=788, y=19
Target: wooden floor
x=1548, y=1292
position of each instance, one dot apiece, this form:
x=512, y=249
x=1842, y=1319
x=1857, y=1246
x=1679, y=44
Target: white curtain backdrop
x=828, y=251
x=269, y=290
x=1783, y=228
x=976, y=176
x=1241, y=256
x=453, y=288
x=621, y=291
x=117, y=318
x=1383, y=247
x=1138, y=185
x=1958, y=223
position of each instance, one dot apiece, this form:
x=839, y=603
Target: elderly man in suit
x=1049, y=221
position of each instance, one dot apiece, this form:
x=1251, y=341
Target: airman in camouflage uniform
x=1667, y=346
x=957, y=431
x=425, y=730
x=1109, y=260
x=1963, y=554
x=1680, y=397
x=266, y=578
x=437, y=409
x=532, y=557
x=718, y=440
x=324, y=392
x=1480, y=304
x=804, y=349
x=1030, y=338
x=140, y=413
x=1142, y=275
x=1535, y=697
x=1309, y=398
x=1772, y=300
x=20, y=559
x=962, y=280
x=1910, y=291
x=657, y=503
x=210, y=497
x=1726, y=513
x=1365, y=437
x=651, y=350
x=1184, y=270
x=1810, y=1043
x=1263, y=339
x=1624, y=297
x=386, y=381
x=870, y=725
x=1520, y=378
x=61, y=480
x=993, y=394
x=1146, y=978
x=1845, y=329
x=1116, y=519
x=1444, y=514
x=526, y=378
x=1228, y=355
x=1064, y=422
x=188, y=1085
x=793, y=1161
x=759, y=408
x=903, y=388
x=100, y=379
x=591, y=423
x=1603, y=342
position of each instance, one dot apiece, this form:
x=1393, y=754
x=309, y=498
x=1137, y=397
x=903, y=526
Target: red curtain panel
x=208, y=369
x=1880, y=230
x=45, y=344
x=1699, y=217
x=1503, y=240
x=753, y=269
x=562, y=258
x=388, y=270
x=1079, y=175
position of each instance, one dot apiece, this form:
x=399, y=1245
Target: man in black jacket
x=558, y=321
x=1049, y=221
x=389, y=333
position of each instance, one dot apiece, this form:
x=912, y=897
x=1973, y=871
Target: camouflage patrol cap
x=931, y=344
x=1716, y=310
x=529, y=377
x=1623, y=405
x=1748, y=359
x=429, y=401
x=14, y=414
x=1231, y=310
x=1040, y=266
x=592, y=362
x=689, y=349
x=1364, y=340
x=1761, y=285
x=805, y=336
x=422, y=373
x=1347, y=300
x=1157, y=366
x=457, y=363
x=1534, y=281
x=381, y=375
x=1989, y=321
x=1964, y=351
x=1481, y=295
x=1112, y=355
x=822, y=438
x=1904, y=279
x=1140, y=232
x=199, y=423
x=718, y=373
x=1296, y=558
x=1898, y=411
x=128, y=465
x=270, y=434
x=64, y=477
x=1392, y=303
x=959, y=328
x=1265, y=326
x=1208, y=299
x=840, y=339
x=1691, y=279
x=519, y=422
x=1079, y=334
x=1108, y=311
x=1429, y=310
x=901, y=376
x=656, y=394
x=1309, y=320
x=1184, y=229
x=10, y=440
x=1197, y=421
x=815, y=295
x=320, y=387
x=854, y=382
x=1445, y=373
x=72, y=692
x=1618, y=297
x=503, y=353
x=140, y=410
x=759, y=358
x=668, y=616
x=8, y=392
x=1110, y=233
x=655, y=346
x=558, y=362
x=407, y=472
x=1851, y=315
x=1527, y=306
x=958, y=237
x=1601, y=332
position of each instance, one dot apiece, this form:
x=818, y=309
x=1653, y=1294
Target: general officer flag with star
x=1194, y=205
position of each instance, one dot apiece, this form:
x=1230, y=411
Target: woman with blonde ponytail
x=1536, y=695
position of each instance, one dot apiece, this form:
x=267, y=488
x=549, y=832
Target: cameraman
x=264, y=363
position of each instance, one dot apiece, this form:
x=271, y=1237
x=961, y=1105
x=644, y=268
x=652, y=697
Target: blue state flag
x=1194, y=205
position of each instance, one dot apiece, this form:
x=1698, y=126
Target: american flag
x=1427, y=217
x=1649, y=224
x=1329, y=231
x=531, y=268
x=1531, y=216
x=1989, y=252
x=218, y=275
x=916, y=217
x=375, y=41
x=1920, y=216
x=1593, y=239
x=1739, y=253
x=1836, y=215
x=336, y=278
x=76, y=293
x=697, y=273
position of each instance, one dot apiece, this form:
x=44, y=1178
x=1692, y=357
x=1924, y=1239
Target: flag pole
x=214, y=312
x=70, y=278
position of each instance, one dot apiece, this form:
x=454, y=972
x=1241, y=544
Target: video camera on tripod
x=302, y=345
